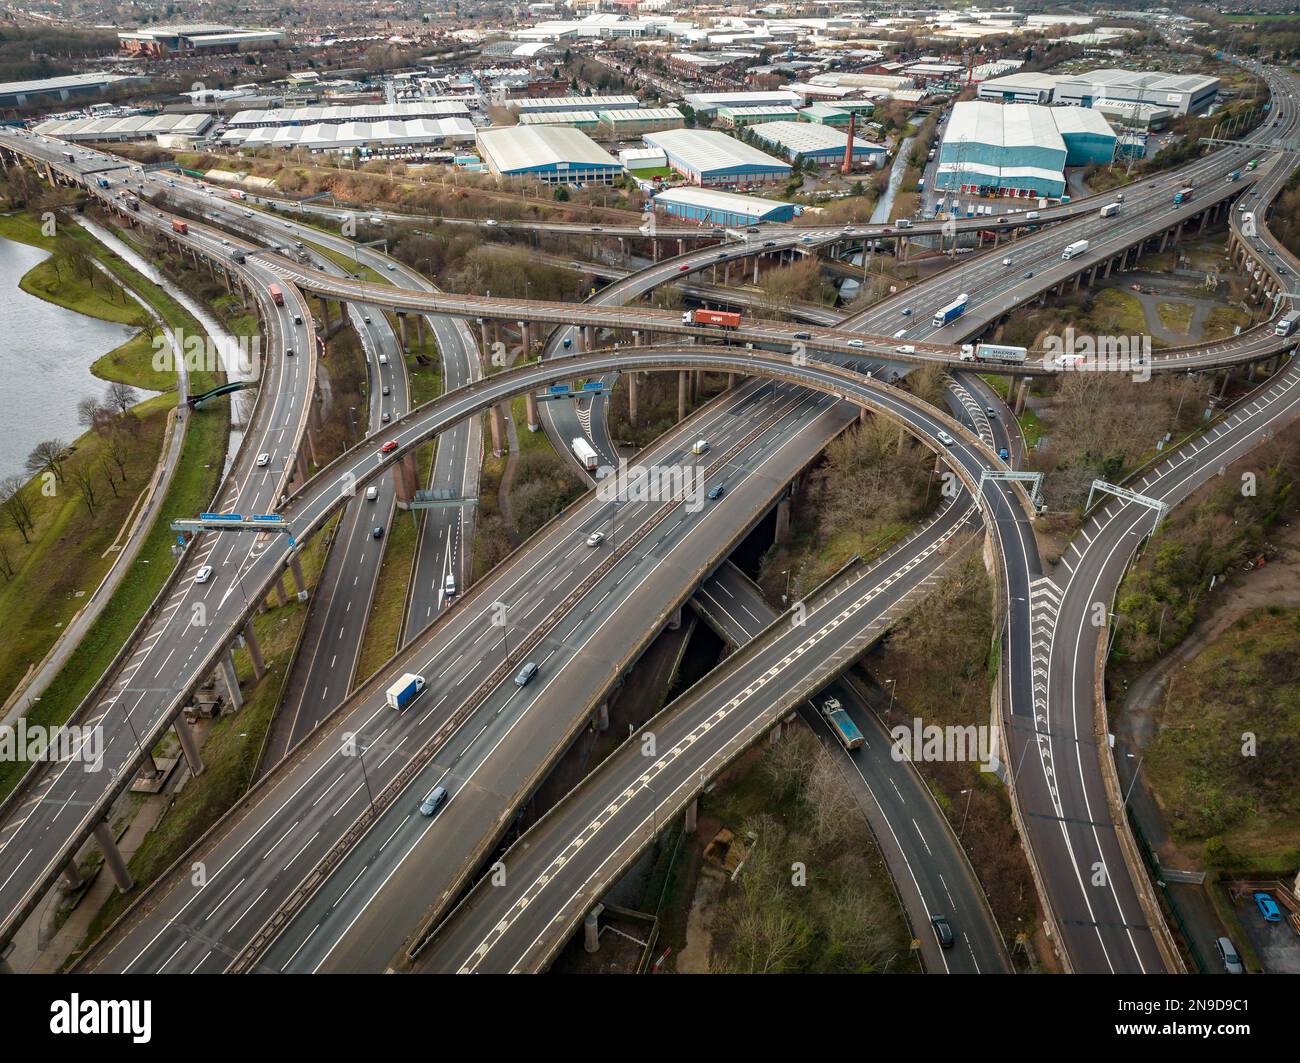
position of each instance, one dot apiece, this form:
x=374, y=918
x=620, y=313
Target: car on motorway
x=490, y=221
x=905, y=348
x=525, y=674
x=1004, y=454
x=367, y=319
x=377, y=532
x=595, y=538
x=1027, y=274
x=388, y=389
x=387, y=417
x=943, y=931
x=288, y=352
x=992, y=412
x=225, y=243
x=390, y=267
x=856, y=343
x=717, y=492
x=769, y=243
x=388, y=447
x=1228, y=956
x=203, y=575
x=263, y=460
x=803, y=335
x=372, y=493
x=1268, y=907
x=945, y=438
x=907, y=311
x=683, y=268
x=805, y=239
x=722, y=254
x=1007, y=262
x=434, y=801
x=597, y=229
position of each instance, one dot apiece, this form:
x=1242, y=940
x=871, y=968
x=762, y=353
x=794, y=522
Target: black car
x=943, y=931
x=377, y=532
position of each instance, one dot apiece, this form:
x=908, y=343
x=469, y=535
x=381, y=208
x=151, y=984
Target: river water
x=45, y=356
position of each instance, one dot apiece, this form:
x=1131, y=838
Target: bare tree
x=16, y=506
x=106, y=466
x=91, y=413
x=6, y=565
x=85, y=484
x=121, y=397
x=48, y=456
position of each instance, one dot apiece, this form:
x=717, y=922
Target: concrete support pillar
x=530, y=406
x=419, y=331
x=774, y=735
x=324, y=313
x=633, y=395
x=682, y=385
x=188, y=746
x=72, y=877
x=302, y=470
x=1020, y=395
x=782, y=533
x=401, y=332
x=113, y=858
x=675, y=621
x=254, y=651
x=299, y=579
x=591, y=929
x=230, y=680
x=756, y=269
x=692, y=816
x=681, y=246
x=403, y=479
x=281, y=595
x=602, y=717
x=526, y=335
x=496, y=420
x=484, y=350
x=1223, y=387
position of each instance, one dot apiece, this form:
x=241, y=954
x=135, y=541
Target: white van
x=383, y=359
x=701, y=447
x=372, y=493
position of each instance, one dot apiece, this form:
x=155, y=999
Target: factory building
x=192, y=38
x=739, y=117
x=365, y=112
x=132, y=127
x=368, y=138
x=707, y=157
x=1018, y=149
x=707, y=103
x=587, y=121
x=554, y=155
x=574, y=103
x=1019, y=88
x=1183, y=94
x=710, y=207
x=69, y=87
x=820, y=144
x=635, y=123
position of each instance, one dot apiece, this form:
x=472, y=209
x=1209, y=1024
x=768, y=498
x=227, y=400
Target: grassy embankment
x=68, y=557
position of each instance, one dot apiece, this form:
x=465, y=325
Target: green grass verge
x=384, y=625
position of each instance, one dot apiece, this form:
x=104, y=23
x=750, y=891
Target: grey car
x=434, y=801
x=1228, y=954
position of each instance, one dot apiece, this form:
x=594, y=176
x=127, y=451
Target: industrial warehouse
x=1019, y=149
x=711, y=207
x=554, y=155
x=821, y=145
x=707, y=157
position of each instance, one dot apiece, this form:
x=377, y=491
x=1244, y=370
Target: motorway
x=570, y=310
x=61, y=802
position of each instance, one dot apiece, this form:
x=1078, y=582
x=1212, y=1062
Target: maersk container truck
x=405, y=691
x=992, y=352
x=1076, y=248
x=721, y=318
x=840, y=722
x=583, y=451
x=950, y=312
x=1288, y=324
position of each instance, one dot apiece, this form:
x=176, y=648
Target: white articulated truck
x=1076, y=248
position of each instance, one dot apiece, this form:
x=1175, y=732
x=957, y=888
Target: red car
x=683, y=268
x=388, y=447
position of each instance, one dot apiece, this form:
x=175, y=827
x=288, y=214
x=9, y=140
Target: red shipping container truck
x=179, y=226
x=721, y=318
x=277, y=296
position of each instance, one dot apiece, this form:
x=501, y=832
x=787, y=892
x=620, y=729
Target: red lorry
x=720, y=318
x=277, y=296
x=179, y=226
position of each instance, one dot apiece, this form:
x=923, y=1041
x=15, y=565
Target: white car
x=203, y=575
x=945, y=438
x=905, y=348
x=595, y=538
x=856, y=343
x=263, y=460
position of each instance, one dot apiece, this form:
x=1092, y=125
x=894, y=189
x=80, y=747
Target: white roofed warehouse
x=820, y=144
x=1018, y=149
x=711, y=207
x=707, y=157
x=554, y=155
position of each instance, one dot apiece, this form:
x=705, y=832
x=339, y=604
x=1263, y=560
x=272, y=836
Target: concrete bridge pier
x=295, y=565
x=71, y=876
x=254, y=651
x=681, y=394
x=188, y=746
x=230, y=679
x=692, y=817
x=782, y=533
x=633, y=392
x=113, y=857
x=1023, y=390
x=496, y=421
x=530, y=406
x=591, y=929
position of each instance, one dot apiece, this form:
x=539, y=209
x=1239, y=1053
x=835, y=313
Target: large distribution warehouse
x=554, y=155
x=1019, y=149
x=820, y=144
x=712, y=207
x=707, y=157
